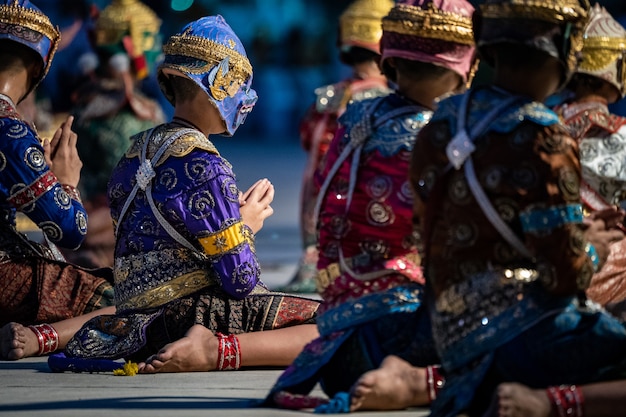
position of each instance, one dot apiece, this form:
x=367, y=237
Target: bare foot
x=17, y=342
x=395, y=385
x=516, y=400
x=195, y=352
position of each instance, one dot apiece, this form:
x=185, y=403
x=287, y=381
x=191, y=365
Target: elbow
x=72, y=241
x=242, y=280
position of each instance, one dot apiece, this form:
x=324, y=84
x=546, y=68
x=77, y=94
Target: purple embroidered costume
x=36, y=285
x=183, y=254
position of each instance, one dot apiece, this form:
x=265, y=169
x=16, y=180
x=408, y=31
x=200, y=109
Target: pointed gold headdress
x=23, y=22
x=511, y=21
x=360, y=24
x=132, y=18
x=604, y=49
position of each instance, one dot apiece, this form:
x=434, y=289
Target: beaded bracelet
x=228, y=352
x=566, y=401
x=47, y=337
x=434, y=382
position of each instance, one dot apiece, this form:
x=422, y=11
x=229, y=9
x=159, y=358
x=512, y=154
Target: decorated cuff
x=72, y=192
x=591, y=252
x=227, y=239
x=543, y=220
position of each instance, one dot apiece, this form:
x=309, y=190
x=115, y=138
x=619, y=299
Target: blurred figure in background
x=508, y=255
x=599, y=81
x=369, y=266
x=360, y=31
x=110, y=108
x=39, y=178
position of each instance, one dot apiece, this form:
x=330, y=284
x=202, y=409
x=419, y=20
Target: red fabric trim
x=31, y=193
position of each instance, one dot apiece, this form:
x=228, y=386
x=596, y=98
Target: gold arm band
x=224, y=241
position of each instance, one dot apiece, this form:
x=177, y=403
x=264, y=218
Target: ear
x=35, y=69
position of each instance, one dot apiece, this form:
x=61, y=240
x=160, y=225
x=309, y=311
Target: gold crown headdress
x=209, y=53
x=360, y=23
x=238, y=68
x=432, y=23
x=604, y=49
x=569, y=15
x=32, y=19
x=554, y=11
x=127, y=17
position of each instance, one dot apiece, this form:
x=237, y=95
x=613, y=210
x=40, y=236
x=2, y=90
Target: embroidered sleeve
x=553, y=222
x=33, y=189
x=209, y=209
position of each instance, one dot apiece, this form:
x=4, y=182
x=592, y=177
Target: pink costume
x=360, y=27
x=369, y=268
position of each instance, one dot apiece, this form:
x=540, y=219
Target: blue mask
x=209, y=53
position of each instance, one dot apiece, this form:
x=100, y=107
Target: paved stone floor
x=29, y=389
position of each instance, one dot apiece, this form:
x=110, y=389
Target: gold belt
x=326, y=276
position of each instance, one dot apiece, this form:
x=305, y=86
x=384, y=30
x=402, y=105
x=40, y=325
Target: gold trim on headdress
x=361, y=21
x=600, y=52
x=213, y=53
x=430, y=23
x=604, y=49
x=14, y=14
x=555, y=11
x=131, y=17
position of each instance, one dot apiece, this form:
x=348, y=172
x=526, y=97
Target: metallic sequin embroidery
x=541, y=220
x=62, y=199
x=379, y=187
x=379, y=214
x=52, y=230
x=201, y=204
x=81, y=222
x=168, y=179
x=34, y=159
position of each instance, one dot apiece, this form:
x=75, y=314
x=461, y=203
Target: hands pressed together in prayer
x=62, y=156
x=255, y=204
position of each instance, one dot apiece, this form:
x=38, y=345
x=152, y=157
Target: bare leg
x=602, y=399
x=197, y=350
x=395, y=385
x=18, y=341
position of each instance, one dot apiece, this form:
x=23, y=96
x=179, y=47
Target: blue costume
x=36, y=285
